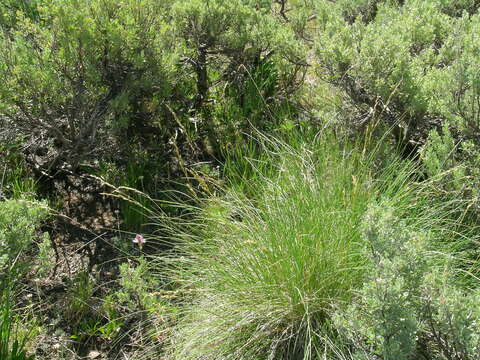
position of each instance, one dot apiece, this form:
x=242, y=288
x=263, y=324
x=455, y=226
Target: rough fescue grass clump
x=265, y=275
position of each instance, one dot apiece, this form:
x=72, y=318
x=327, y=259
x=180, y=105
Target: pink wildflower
x=140, y=240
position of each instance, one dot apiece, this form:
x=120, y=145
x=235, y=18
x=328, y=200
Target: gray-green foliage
x=18, y=222
x=453, y=163
x=245, y=60
x=410, y=306
x=45, y=256
x=137, y=284
x=411, y=63
x=239, y=30
x=410, y=66
x=392, y=53
x=451, y=318
x=386, y=319
x=439, y=154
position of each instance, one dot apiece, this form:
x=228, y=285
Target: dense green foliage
x=86, y=73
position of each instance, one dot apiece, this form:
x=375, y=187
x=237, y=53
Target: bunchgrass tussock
x=12, y=343
x=265, y=273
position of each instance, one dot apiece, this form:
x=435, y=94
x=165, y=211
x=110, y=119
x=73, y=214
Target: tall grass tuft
x=264, y=275
x=12, y=345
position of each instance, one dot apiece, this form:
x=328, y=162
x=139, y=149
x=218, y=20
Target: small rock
x=93, y=354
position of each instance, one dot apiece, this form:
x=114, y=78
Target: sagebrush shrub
x=410, y=306
x=152, y=70
x=99, y=62
x=410, y=65
x=19, y=220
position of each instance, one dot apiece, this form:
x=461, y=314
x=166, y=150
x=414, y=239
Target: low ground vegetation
x=273, y=179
